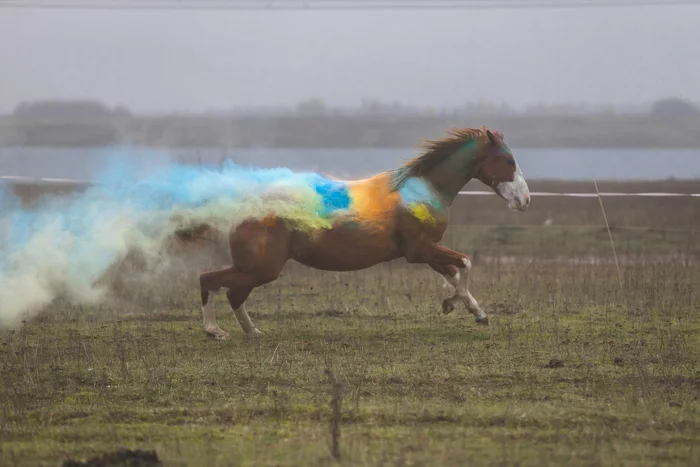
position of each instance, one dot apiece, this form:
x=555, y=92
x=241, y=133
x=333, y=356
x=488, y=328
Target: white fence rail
x=583, y=195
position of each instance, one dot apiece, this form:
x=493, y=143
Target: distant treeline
x=669, y=124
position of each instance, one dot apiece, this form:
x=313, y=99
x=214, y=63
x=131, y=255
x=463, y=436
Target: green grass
x=572, y=370
x=568, y=241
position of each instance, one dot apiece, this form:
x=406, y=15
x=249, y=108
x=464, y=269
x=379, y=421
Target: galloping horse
x=403, y=212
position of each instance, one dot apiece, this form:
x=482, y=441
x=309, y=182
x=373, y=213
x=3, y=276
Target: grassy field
x=573, y=369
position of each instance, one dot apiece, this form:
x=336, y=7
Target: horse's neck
x=446, y=179
x=448, y=182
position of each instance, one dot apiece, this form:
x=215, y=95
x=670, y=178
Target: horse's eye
x=511, y=162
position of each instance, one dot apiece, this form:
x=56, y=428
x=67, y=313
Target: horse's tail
x=196, y=232
x=198, y=239
x=184, y=231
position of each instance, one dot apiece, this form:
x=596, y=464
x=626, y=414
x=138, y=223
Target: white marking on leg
x=209, y=318
x=462, y=293
x=467, y=265
x=469, y=301
x=449, y=282
x=245, y=321
x=448, y=305
x=452, y=281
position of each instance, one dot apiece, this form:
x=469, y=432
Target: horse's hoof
x=484, y=320
x=254, y=333
x=218, y=334
x=447, y=306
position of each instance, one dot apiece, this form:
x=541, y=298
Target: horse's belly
x=341, y=249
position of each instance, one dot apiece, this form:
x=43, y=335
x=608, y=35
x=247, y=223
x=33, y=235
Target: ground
x=573, y=369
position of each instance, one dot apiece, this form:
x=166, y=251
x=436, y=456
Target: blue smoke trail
x=63, y=244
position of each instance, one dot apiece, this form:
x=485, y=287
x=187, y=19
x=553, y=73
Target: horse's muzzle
x=522, y=202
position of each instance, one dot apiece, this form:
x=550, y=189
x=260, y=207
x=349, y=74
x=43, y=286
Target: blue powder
x=66, y=225
x=418, y=190
x=122, y=186
x=334, y=194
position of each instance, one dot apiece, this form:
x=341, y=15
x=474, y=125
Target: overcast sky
x=185, y=60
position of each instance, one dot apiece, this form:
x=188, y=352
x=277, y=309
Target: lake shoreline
x=342, y=163
x=345, y=131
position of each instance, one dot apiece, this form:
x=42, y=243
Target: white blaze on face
x=516, y=192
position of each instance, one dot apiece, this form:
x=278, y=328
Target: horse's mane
x=435, y=153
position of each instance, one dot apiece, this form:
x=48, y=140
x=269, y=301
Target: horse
x=400, y=213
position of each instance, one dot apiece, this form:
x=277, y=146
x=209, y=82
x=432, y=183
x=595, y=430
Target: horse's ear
x=492, y=137
x=495, y=136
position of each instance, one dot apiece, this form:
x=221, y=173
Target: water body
x=562, y=164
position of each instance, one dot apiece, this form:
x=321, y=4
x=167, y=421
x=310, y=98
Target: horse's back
x=362, y=235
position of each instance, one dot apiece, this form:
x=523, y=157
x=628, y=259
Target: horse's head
x=498, y=169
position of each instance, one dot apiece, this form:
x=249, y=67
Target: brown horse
x=400, y=213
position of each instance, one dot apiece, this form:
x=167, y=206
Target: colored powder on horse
x=417, y=194
x=418, y=190
x=64, y=244
x=335, y=195
x=372, y=201
x=422, y=213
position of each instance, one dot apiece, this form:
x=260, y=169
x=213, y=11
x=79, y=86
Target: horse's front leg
x=448, y=263
x=460, y=284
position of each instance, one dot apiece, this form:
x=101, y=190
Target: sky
x=163, y=61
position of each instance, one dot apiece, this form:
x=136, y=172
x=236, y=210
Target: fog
x=156, y=61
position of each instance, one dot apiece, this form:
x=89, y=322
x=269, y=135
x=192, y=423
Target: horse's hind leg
x=239, y=285
x=211, y=327
x=236, y=298
x=452, y=277
x=259, y=252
